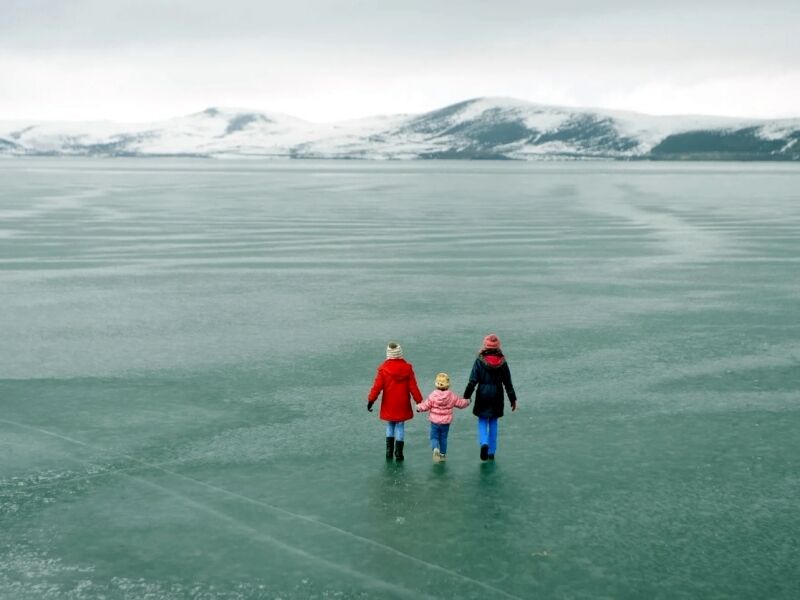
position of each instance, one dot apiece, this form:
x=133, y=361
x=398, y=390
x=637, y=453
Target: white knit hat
x=393, y=350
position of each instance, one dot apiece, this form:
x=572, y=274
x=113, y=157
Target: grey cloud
x=386, y=55
x=86, y=24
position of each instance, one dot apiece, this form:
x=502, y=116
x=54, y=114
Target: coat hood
x=440, y=397
x=493, y=359
x=397, y=368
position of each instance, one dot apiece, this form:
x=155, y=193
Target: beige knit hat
x=393, y=350
x=442, y=381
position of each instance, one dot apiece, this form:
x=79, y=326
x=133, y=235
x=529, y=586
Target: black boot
x=484, y=452
x=398, y=450
x=389, y=448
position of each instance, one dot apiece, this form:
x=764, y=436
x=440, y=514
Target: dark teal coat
x=490, y=374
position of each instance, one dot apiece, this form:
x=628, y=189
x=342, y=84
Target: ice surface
x=187, y=347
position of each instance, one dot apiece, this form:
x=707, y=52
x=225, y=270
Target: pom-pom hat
x=491, y=342
x=393, y=350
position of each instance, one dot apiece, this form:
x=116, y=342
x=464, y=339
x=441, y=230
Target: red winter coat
x=395, y=378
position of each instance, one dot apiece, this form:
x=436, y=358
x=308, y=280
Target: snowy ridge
x=481, y=128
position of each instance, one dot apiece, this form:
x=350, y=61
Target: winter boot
x=398, y=450
x=389, y=448
x=442, y=457
x=485, y=452
x=491, y=457
x=437, y=456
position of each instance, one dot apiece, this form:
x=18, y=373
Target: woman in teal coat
x=490, y=374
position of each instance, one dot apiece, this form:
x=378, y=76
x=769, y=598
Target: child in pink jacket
x=440, y=403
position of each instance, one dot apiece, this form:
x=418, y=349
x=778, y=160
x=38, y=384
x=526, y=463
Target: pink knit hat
x=491, y=342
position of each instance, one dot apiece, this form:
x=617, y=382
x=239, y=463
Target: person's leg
x=483, y=431
x=493, y=424
x=399, y=434
x=483, y=437
x=443, y=431
x=389, y=440
x=434, y=436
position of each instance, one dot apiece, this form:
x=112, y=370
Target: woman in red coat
x=395, y=378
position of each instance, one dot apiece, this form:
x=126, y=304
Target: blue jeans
x=439, y=437
x=396, y=429
x=487, y=433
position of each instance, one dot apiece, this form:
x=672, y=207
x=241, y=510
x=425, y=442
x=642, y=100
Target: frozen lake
x=187, y=347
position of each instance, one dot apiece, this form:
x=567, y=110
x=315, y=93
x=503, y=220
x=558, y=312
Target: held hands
x=369, y=405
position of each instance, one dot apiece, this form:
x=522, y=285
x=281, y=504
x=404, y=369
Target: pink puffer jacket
x=441, y=403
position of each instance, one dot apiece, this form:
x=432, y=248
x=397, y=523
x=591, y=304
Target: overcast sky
x=326, y=60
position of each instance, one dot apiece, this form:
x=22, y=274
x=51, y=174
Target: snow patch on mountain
x=494, y=127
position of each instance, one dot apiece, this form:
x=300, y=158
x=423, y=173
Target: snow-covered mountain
x=482, y=128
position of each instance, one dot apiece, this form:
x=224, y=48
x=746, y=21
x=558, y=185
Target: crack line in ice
x=56, y=481
x=252, y=531
x=264, y=537
x=263, y=504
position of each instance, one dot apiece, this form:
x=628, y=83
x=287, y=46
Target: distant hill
x=482, y=128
